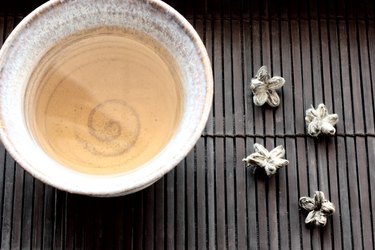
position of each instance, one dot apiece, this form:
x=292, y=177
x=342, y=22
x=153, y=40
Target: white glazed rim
x=155, y=174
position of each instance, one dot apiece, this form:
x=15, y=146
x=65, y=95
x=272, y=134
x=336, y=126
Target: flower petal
x=270, y=169
x=260, y=98
x=257, y=86
x=276, y=82
x=260, y=149
x=319, y=198
x=257, y=159
x=327, y=208
x=278, y=152
x=314, y=129
x=279, y=163
x=263, y=74
x=310, y=218
x=320, y=219
x=247, y=160
x=322, y=110
x=327, y=128
x=273, y=98
x=307, y=203
x=331, y=119
x=311, y=114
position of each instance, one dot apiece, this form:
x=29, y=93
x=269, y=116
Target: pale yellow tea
x=104, y=101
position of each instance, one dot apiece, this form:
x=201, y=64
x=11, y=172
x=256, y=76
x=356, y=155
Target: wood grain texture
x=325, y=52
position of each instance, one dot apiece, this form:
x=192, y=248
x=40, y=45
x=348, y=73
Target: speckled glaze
x=55, y=20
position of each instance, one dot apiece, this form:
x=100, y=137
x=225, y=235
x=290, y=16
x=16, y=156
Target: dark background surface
x=325, y=51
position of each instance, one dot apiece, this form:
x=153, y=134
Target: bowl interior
x=56, y=20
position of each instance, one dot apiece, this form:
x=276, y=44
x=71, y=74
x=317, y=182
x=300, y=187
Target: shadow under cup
x=103, y=97
x=104, y=101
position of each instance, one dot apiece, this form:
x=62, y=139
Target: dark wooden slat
x=238, y=84
x=88, y=226
x=149, y=217
x=122, y=226
x=263, y=9
x=334, y=50
x=355, y=78
x=241, y=192
x=293, y=7
x=345, y=78
x=255, y=9
x=371, y=172
x=27, y=210
x=211, y=199
x=297, y=76
x=344, y=208
x=303, y=188
x=138, y=222
x=339, y=9
x=334, y=194
x=159, y=214
x=272, y=209
x=70, y=223
x=323, y=179
x=248, y=74
x=256, y=45
x=262, y=211
x=292, y=213
x=348, y=125
x=221, y=235
x=230, y=194
x=78, y=209
x=201, y=203
x=16, y=236
x=228, y=78
x=251, y=201
x=7, y=205
x=48, y=217
x=38, y=216
x=371, y=141
x=358, y=109
x=208, y=35
x=170, y=211
x=355, y=216
x=59, y=220
x=364, y=198
x=304, y=10
x=108, y=224
x=218, y=78
x=364, y=68
x=190, y=200
x=180, y=206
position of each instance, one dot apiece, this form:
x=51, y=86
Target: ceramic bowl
x=57, y=19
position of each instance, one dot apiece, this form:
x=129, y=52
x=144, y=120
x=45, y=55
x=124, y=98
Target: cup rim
x=154, y=175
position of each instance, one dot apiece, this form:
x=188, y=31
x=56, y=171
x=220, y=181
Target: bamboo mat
x=325, y=50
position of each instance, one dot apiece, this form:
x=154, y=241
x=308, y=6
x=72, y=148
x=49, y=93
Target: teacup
x=103, y=97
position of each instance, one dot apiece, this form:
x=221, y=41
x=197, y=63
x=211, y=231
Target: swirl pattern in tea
x=105, y=101
x=113, y=128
